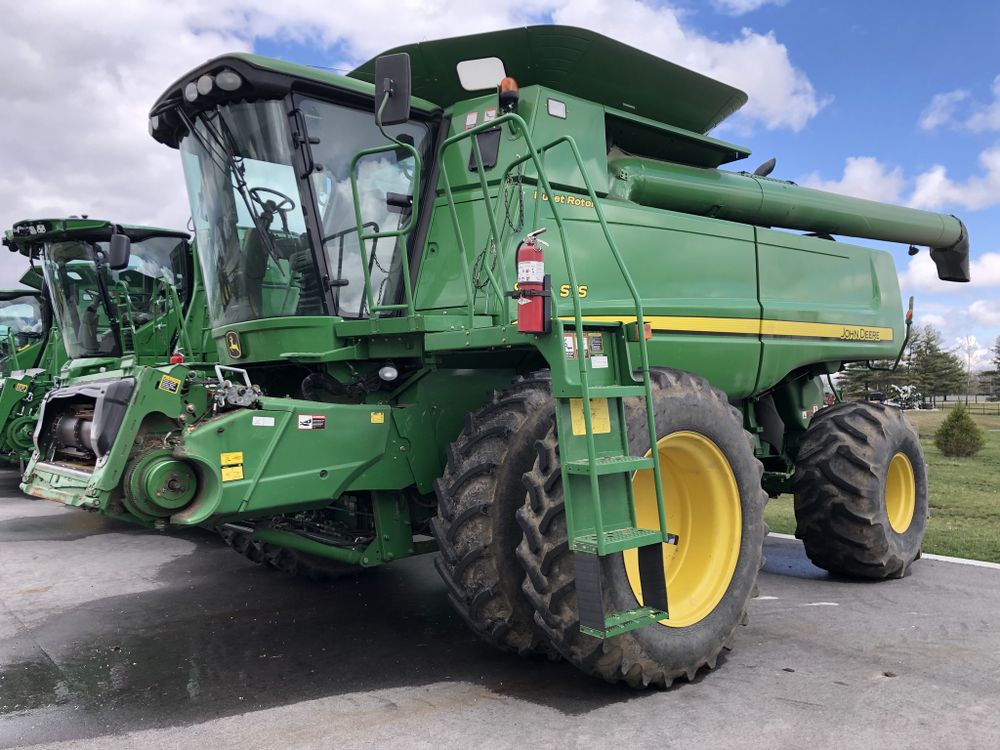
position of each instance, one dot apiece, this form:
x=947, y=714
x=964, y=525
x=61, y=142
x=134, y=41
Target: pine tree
x=958, y=435
x=991, y=378
x=934, y=371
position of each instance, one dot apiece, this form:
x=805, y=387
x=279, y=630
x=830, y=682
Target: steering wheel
x=286, y=203
x=270, y=208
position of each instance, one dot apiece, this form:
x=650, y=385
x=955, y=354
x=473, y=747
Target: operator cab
x=92, y=297
x=22, y=320
x=267, y=159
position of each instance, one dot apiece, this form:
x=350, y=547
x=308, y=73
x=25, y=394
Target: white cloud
x=941, y=110
x=78, y=84
x=742, y=7
x=988, y=116
x=973, y=355
x=944, y=109
x=79, y=79
x=781, y=96
x=930, y=319
x=864, y=177
x=921, y=274
x=985, y=313
x=935, y=189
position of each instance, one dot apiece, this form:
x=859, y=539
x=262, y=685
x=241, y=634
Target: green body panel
x=338, y=451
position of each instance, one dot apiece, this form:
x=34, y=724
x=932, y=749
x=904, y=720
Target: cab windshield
x=20, y=321
x=90, y=301
x=259, y=258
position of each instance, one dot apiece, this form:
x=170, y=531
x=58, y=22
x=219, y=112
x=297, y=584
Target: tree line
x=927, y=368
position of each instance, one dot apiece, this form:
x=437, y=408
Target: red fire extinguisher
x=534, y=286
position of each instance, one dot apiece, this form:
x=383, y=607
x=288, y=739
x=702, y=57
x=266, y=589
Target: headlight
x=228, y=80
x=205, y=84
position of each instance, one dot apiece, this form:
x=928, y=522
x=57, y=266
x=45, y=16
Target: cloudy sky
x=894, y=100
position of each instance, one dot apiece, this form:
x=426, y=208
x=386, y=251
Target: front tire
x=861, y=491
x=476, y=527
x=714, y=502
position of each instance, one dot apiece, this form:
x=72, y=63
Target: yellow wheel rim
x=703, y=509
x=900, y=493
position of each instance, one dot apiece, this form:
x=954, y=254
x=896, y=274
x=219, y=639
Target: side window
x=385, y=189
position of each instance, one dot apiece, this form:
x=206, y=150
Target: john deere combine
x=31, y=352
x=112, y=313
x=585, y=423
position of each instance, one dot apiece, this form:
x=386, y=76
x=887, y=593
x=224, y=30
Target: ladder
x=597, y=466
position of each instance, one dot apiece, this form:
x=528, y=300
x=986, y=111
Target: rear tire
x=698, y=431
x=476, y=527
x=861, y=491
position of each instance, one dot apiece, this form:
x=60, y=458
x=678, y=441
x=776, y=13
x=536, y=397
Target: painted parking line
x=925, y=556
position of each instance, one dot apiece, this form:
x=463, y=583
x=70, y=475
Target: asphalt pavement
x=112, y=636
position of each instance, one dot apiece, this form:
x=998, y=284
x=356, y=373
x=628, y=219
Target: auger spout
x=751, y=199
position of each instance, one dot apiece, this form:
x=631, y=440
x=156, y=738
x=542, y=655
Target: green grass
x=964, y=494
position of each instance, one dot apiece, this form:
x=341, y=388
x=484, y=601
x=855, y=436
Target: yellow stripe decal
x=753, y=327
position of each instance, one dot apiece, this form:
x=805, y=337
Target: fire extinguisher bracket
x=546, y=294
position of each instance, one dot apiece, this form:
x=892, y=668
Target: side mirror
x=119, y=250
x=392, y=77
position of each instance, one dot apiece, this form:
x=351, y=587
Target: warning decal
x=169, y=384
x=312, y=421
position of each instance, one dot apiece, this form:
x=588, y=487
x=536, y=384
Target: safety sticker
x=600, y=417
x=599, y=361
x=263, y=421
x=312, y=422
x=569, y=345
x=378, y=417
x=169, y=384
x=232, y=473
x=490, y=114
x=21, y=387
x=471, y=119
x=231, y=459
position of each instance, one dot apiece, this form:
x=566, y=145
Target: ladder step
x=609, y=465
x=616, y=540
x=615, y=391
x=622, y=622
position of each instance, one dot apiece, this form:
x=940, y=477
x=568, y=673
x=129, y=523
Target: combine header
x=493, y=296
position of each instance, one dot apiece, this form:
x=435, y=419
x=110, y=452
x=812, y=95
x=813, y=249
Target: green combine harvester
x=110, y=315
x=584, y=424
x=31, y=352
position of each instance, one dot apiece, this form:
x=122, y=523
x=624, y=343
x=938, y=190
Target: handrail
x=404, y=230
x=535, y=155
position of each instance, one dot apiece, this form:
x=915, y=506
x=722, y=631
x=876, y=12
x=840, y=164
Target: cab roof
x=28, y=235
x=577, y=62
